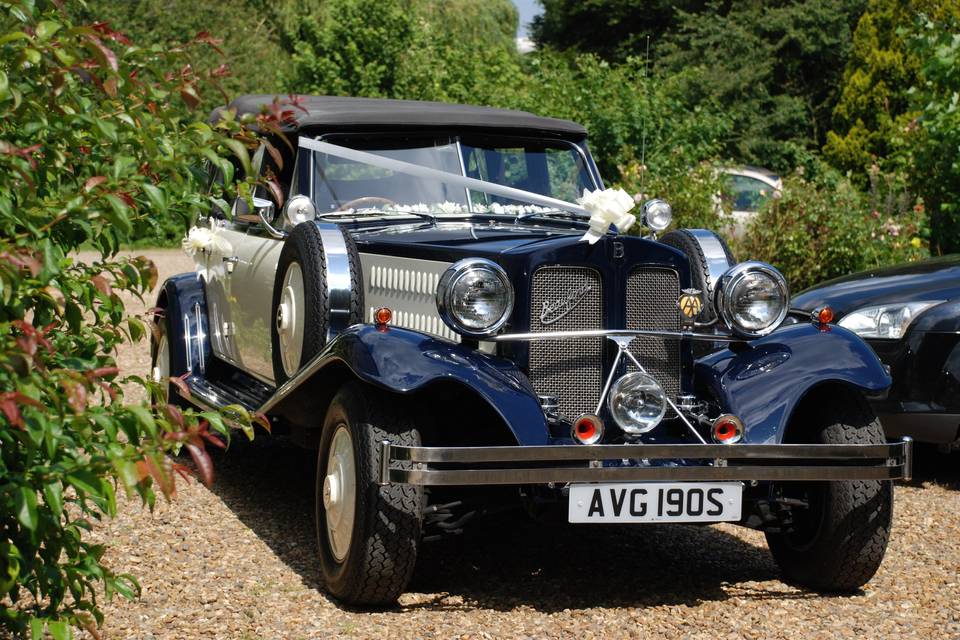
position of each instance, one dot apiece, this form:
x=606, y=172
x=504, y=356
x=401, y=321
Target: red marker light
x=382, y=316
x=727, y=429
x=588, y=429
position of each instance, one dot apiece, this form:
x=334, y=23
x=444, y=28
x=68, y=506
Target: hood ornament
x=554, y=310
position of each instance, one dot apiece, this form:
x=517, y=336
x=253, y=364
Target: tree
x=447, y=50
x=875, y=104
x=94, y=144
x=774, y=66
x=249, y=36
x=933, y=141
x=612, y=29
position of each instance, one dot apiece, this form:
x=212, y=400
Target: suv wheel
x=368, y=535
x=838, y=542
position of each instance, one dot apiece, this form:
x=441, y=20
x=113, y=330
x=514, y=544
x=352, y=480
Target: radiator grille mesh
x=652, y=296
x=571, y=370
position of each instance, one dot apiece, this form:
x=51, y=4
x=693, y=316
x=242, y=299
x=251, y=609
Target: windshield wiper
x=560, y=213
x=350, y=213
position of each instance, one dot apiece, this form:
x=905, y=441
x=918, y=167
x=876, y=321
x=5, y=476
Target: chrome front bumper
x=637, y=462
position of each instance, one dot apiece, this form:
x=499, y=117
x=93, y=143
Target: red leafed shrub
x=96, y=139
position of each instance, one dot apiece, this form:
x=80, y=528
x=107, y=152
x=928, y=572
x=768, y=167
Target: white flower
x=606, y=207
x=202, y=239
x=449, y=207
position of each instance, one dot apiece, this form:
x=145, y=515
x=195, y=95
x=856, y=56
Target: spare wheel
x=317, y=293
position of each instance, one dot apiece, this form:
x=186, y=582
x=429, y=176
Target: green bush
x=826, y=228
x=933, y=142
x=92, y=150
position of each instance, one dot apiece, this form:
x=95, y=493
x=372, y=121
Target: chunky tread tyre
x=387, y=522
x=854, y=516
x=305, y=247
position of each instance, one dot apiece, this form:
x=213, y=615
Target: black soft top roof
x=332, y=112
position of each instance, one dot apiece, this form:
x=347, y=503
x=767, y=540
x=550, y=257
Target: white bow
x=606, y=207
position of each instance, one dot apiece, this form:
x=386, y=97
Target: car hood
x=453, y=239
x=933, y=279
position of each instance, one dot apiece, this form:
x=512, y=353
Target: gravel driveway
x=237, y=561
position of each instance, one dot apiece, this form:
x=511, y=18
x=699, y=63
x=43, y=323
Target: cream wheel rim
x=290, y=319
x=339, y=493
x=161, y=367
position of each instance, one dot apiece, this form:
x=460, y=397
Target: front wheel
x=368, y=535
x=837, y=543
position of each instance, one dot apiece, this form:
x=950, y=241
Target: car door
x=240, y=289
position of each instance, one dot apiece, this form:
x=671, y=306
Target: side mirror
x=266, y=211
x=299, y=208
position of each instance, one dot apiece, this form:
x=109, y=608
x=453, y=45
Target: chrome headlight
x=657, y=214
x=637, y=403
x=475, y=297
x=752, y=299
x=885, y=320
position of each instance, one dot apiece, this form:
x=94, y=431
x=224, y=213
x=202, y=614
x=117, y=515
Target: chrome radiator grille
x=652, y=295
x=571, y=370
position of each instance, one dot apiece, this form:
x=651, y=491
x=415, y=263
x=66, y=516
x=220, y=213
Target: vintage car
x=423, y=309
x=910, y=315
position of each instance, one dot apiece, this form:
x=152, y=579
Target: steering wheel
x=365, y=200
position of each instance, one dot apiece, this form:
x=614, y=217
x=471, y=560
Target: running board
x=231, y=387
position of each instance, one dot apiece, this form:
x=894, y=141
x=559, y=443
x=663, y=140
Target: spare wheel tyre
x=317, y=292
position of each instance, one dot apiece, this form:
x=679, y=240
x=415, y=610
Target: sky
x=528, y=9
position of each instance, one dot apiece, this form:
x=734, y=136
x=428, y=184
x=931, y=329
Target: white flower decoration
x=202, y=240
x=606, y=207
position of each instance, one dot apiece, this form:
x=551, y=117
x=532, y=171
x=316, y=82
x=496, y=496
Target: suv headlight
x=752, y=299
x=885, y=320
x=475, y=297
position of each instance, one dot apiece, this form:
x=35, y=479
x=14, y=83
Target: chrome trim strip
x=431, y=477
x=337, y=261
x=201, y=337
x=187, y=342
x=611, y=333
x=860, y=462
x=567, y=453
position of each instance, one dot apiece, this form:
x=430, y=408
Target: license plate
x=656, y=502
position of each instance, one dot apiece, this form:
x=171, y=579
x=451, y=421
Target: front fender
x=762, y=381
x=403, y=361
x=184, y=301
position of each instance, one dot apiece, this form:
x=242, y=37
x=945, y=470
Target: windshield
x=546, y=167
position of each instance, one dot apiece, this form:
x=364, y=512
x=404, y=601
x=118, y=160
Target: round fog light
x=637, y=403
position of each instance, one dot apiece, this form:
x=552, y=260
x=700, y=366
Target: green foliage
x=249, y=39
x=613, y=29
x=873, y=103
x=827, y=228
x=447, y=50
x=775, y=68
x=93, y=147
x=624, y=110
x=934, y=145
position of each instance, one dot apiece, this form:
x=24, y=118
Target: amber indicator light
x=382, y=316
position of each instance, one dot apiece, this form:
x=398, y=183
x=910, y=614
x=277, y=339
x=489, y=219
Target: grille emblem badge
x=690, y=303
x=554, y=310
